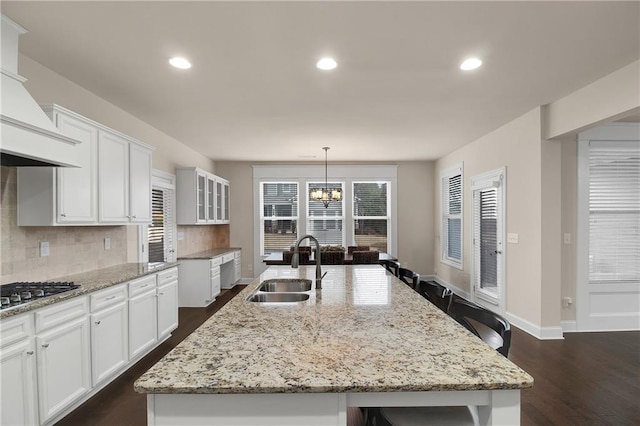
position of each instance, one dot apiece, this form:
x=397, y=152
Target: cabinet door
x=143, y=323
x=219, y=207
x=167, y=309
x=211, y=200
x=77, y=186
x=64, y=372
x=202, y=197
x=113, y=171
x=109, y=341
x=140, y=184
x=226, y=202
x=17, y=369
x=215, y=282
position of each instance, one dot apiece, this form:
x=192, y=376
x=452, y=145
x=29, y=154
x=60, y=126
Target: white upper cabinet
x=201, y=197
x=112, y=186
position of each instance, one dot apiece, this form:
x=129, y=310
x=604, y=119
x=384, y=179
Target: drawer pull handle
x=161, y=294
x=143, y=286
x=110, y=298
x=63, y=214
x=46, y=345
x=97, y=322
x=29, y=352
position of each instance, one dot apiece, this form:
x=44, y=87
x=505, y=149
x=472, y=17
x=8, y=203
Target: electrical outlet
x=566, y=302
x=107, y=243
x=512, y=238
x=180, y=236
x=44, y=248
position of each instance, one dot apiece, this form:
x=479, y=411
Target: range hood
x=28, y=136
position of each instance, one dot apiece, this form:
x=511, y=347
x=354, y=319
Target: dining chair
x=493, y=329
x=366, y=257
x=409, y=277
x=392, y=266
x=351, y=249
x=435, y=293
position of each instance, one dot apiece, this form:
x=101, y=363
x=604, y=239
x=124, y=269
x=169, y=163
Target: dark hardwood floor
x=585, y=379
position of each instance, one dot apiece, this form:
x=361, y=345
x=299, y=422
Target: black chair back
x=409, y=277
x=392, y=266
x=492, y=328
x=435, y=293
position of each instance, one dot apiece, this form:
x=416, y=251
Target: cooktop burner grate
x=21, y=293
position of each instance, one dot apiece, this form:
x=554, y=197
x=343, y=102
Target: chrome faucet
x=295, y=259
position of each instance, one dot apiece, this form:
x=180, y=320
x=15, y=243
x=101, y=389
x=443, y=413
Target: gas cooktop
x=21, y=293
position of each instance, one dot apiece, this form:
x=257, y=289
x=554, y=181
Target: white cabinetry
x=167, y=302
x=201, y=197
x=229, y=269
x=18, y=405
x=112, y=186
x=124, y=180
x=109, y=332
x=199, y=281
x=143, y=316
x=63, y=354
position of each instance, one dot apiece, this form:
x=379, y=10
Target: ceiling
x=254, y=94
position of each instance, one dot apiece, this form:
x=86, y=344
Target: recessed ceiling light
x=470, y=64
x=326, y=64
x=181, y=63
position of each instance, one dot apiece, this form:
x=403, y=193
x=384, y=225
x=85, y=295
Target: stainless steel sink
x=278, y=297
x=284, y=285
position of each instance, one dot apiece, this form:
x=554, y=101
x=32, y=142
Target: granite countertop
x=92, y=281
x=365, y=331
x=209, y=254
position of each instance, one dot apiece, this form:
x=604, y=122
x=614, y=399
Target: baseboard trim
x=540, y=333
x=570, y=326
x=453, y=288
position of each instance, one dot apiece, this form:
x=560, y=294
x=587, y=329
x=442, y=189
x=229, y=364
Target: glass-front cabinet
x=201, y=197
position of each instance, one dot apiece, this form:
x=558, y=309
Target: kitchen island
x=364, y=339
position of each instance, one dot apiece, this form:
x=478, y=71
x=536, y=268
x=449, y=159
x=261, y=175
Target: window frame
x=311, y=183
x=355, y=217
x=445, y=215
x=261, y=205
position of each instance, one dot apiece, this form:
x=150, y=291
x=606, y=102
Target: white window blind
x=614, y=211
x=160, y=231
x=326, y=223
x=371, y=214
x=279, y=215
x=451, y=232
x=486, y=209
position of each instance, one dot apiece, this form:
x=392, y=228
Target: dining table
x=275, y=258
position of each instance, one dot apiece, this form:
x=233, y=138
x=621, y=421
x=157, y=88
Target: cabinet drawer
x=15, y=329
x=228, y=257
x=61, y=313
x=165, y=277
x=108, y=297
x=142, y=285
x=216, y=261
x=215, y=272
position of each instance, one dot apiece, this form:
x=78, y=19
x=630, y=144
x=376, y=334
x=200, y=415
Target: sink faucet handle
x=323, y=275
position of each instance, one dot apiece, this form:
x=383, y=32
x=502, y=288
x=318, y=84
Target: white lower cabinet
x=54, y=358
x=143, y=316
x=167, y=302
x=200, y=281
x=18, y=405
x=63, y=353
x=109, y=333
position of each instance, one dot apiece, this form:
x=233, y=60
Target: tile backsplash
x=74, y=249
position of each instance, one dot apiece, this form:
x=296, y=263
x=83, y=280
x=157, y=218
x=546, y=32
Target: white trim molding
x=541, y=333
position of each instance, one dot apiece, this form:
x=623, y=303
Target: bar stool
x=392, y=266
x=409, y=277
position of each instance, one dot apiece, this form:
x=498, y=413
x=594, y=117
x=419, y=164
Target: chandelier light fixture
x=326, y=194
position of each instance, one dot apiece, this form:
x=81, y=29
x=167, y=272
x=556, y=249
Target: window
x=279, y=216
x=371, y=214
x=326, y=223
x=451, y=214
x=614, y=212
x=160, y=233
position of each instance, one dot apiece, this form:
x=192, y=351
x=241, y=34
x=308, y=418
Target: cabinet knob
x=29, y=352
x=46, y=345
x=97, y=322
